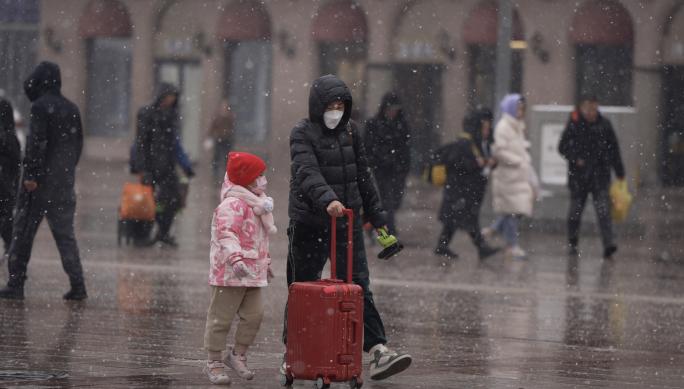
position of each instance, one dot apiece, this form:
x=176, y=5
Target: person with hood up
x=512, y=192
x=240, y=265
x=469, y=163
x=10, y=166
x=591, y=147
x=329, y=173
x=388, y=145
x=53, y=150
x=156, y=152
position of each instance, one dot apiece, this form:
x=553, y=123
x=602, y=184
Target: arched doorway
x=340, y=32
x=672, y=141
x=106, y=26
x=245, y=31
x=178, y=53
x=480, y=37
x=603, y=38
x=418, y=64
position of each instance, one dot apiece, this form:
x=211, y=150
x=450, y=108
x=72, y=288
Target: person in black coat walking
x=591, y=148
x=10, y=165
x=468, y=162
x=388, y=144
x=156, y=156
x=53, y=150
x=329, y=173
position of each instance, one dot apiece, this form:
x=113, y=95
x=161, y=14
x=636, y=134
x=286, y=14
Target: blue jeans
x=507, y=225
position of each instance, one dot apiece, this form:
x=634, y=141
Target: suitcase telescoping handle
x=350, y=246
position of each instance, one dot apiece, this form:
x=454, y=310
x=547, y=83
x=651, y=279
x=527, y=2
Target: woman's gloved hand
x=241, y=270
x=269, y=274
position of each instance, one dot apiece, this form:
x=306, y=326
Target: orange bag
x=137, y=201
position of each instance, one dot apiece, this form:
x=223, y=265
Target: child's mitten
x=269, y=274
x=241, y=270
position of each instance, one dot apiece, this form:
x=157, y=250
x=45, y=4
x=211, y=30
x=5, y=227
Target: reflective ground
x=549, y=322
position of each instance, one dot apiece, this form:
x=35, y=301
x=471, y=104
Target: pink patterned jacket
x=240, y=230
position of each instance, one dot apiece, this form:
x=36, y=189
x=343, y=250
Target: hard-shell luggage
x=325, y=326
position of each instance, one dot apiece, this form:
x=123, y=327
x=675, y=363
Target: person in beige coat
x=512, y=192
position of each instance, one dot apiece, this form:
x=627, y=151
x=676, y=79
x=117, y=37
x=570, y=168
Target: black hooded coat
x=388, y=141
x=55, y=142
x=326, y=166
x=10, y=153
x=465, y=186
x=157, y=133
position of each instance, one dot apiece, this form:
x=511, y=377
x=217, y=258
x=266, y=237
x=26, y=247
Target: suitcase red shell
x=325, y=326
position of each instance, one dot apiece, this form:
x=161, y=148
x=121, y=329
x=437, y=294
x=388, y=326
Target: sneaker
x=238, y=363
x=609, y=251
x=516, y=253
x=444, y=251
x=214, y=370
x=572, y=249
x=77, y=293
x=488, y=251
x=387, y=363
x=14, y=293
x=488, y=233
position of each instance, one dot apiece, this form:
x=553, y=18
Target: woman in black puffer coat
x=468, y=162
x=329, y=173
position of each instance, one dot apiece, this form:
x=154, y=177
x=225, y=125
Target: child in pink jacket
x=240, y=265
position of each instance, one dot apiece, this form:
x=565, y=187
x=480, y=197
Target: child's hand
x=241, y=270
x=269, y=274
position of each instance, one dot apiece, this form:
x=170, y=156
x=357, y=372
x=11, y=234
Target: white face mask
x=332, y=118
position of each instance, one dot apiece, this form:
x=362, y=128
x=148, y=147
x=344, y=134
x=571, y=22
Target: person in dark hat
x=388, y=144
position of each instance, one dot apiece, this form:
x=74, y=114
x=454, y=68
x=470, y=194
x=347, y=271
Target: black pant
x=57, y=205
x=222, y=148
x=473, y=230
x=309, y=249
x=169, y=199
x=578, y=199
x=6, y=217
x=391, y=186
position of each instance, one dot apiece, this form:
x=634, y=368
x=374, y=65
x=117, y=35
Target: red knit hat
x=243, y=168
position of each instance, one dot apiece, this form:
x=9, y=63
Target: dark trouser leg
x=577, y=202
x=6, y=208
x=221, y=150
x=29, y=214
x=602, y=204
x=169, y=197
x=391, y=187
x=447, y=233
x=60, y=217
x=476, y=235
x=309, y=249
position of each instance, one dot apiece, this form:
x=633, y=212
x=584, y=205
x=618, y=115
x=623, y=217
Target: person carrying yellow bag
x=591, y=147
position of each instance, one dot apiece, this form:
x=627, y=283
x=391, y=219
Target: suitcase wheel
x=323, y=383
x=284, y=381
x=356, y=382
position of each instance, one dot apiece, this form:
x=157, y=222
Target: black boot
x=77, y=293
x=488, y=251
x=168, y=239
x=14, y=293
x=609, y=251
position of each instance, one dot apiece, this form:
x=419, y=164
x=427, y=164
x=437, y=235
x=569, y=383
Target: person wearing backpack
x=468, y=164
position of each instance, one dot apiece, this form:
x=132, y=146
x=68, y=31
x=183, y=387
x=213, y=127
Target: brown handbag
x=137, y=201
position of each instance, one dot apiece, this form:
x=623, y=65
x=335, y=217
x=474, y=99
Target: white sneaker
x=516, y=253
x=488, y=233
x=239, y=364
x=387, y=363
x=214, y=371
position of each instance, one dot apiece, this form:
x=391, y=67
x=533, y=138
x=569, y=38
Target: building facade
x=437, y=55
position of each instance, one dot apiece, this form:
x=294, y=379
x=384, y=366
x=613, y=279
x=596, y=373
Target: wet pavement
x=549, y=322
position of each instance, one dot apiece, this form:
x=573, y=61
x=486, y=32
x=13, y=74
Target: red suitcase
x=325, y=326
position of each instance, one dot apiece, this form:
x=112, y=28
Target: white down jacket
x=511, y=179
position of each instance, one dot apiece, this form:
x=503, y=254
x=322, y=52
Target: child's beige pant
x=226, y=301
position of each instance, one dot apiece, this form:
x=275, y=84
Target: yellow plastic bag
x=620, y=200
x=436, y=174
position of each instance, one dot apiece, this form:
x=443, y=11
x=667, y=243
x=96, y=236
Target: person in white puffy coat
x=240, y=265
x=512, y=192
